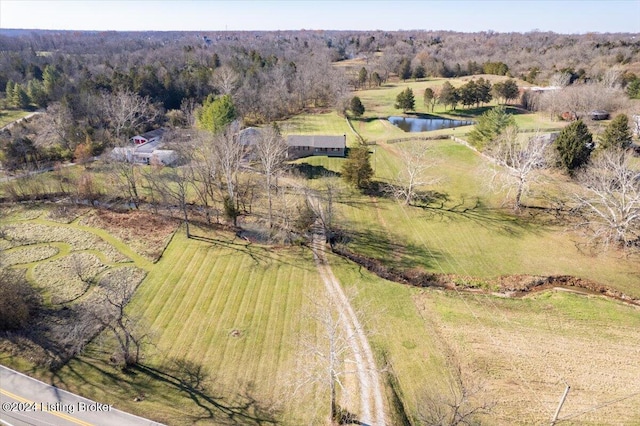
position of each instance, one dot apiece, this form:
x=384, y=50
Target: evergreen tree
x=449, y=95
x=217, y=113
x=20, y=97
x=356, y=169
x=404, y=69
x=510, y=90
x=498, y=91
x=468, y=93
x=430, y=98
x=51, y=81
x=617, y=133
x=418, y=72
x=362, y=77
x=356, y=107
x=376, y=80
x=633, y=89
x=483, y=92
x=405, y=100
x=10, y=90
x=35, y=90
x=574, y=145
x=490, y=125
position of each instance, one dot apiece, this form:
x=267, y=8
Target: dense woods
x=80, y=77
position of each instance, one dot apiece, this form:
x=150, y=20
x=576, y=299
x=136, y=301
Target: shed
x=599, y=114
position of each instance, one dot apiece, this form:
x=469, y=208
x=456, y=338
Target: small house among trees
x=146, y=150
x=151, y=136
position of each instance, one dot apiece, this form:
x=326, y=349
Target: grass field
x=524, y=351
x=516, y=352
x=485, y=240
x=379, y=104
x=8, y=116
x=225, y=317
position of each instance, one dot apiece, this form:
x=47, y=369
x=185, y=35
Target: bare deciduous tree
x=126, y=112
x=228, y=151
x=521, y=160
x=204, y=171
x=271, y=150
x=461, y=405
x=331, y=353
x=415, y=161
x=610, y=199
x=321, y=202
x=174, y=186
x=127, y=329
x=581, y=99
x=56, y=124
x=125, y=178
x=225, y=79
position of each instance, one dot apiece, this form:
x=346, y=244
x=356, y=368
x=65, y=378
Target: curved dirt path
x=371, y=402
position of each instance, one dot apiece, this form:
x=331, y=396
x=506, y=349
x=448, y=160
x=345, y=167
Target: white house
x=146, y=150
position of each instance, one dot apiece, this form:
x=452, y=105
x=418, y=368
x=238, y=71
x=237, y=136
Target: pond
x=410, y=124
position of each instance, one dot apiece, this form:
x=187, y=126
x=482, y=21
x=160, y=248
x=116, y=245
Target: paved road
x=26, y=401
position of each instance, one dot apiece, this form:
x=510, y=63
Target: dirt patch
x=144, y=232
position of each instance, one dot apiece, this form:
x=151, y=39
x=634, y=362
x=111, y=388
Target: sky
x=560, y=16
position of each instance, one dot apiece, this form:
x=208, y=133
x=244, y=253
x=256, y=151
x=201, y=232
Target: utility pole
x=564, y=396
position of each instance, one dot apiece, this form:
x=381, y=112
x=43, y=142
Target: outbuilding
x=599, y=114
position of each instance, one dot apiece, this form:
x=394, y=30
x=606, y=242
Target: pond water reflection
x=411, y=124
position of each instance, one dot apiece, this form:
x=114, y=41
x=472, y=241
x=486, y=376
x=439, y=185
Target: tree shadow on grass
x=388, y=249
x=311, y=171
x=188, y=379
x=243, y=408
x=260, y=255
x=474, y=210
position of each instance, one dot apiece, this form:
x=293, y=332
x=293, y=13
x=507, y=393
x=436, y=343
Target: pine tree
x=356, y=169
x=216, y=114
x=490, y=125
x=449, y=95
x=483, y=92
x=404, y=69
x=362, y=77
x=356, y=107
x=617, y=133
x=574, y=145
x=405, y=100
x=419, y=72
x=20, y=97
x=10, y=91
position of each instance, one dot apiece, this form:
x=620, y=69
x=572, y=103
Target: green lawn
x=379, y=104
x=233, y=311
x=326, y=123
x=8, y=116
x=468, y=232
x=413, y=359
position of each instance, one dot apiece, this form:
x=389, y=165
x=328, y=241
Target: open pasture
x=516, y=353
x=226, y=319
x=467, y=231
